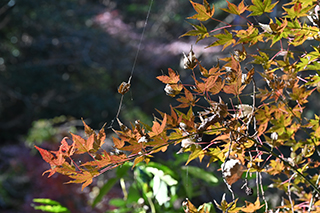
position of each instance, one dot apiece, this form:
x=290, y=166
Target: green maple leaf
x=297, y=10
x=200, y=31
x=196, y=152
x=258, y=8
x=225, y=39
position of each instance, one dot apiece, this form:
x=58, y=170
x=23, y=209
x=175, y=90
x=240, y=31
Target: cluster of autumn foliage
x=246, y=138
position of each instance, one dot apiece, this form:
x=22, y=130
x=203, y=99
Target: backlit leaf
x=250, y=207
x=199, y=30
x=157, y=128
x=233, y=9
x=84, y=177
x=204, y=12
x=225, y=39
x=196, y=152
x=173, y=78
x=258, y=8
x=82, y=145
x=118, y=143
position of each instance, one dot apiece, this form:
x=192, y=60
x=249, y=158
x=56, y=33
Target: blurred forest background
x=63, y=60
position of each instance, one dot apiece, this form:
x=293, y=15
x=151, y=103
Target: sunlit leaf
x=199, y=30
x=196, y=152
x=204, y=12
x=258, y=8
x=250, y=207
x=233, y=9
x=226, y=39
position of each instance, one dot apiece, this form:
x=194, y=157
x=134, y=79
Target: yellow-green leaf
x=233, y=9
x=258, y=8
x=204, y=12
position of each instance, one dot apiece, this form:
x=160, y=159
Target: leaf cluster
x=246, y=137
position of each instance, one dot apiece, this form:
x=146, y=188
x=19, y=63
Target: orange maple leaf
x=250, y=207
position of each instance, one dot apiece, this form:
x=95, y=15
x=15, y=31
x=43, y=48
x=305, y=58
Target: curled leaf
x=190, y=61
x=124, y=88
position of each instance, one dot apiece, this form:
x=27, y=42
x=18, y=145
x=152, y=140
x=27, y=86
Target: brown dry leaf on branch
x=232, y=170
x=124, y=88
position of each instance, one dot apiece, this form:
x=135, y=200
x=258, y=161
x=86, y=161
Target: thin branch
x=262, y=192
x=313, y=195
x=289, y=192
x=287, y=164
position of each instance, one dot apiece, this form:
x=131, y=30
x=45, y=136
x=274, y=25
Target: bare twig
x=289, y=192
x=262, y=191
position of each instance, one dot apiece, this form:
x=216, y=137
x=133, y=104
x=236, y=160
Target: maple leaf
x=105, y=159
x=234, y=88
x=210, y=84
x=225, y=39
x=228, y=207
x=140, y=159
x=300, y=94
x=82, y=145
x=263, y=60
x=196, y=152
x=233, y=9
x=258, y=8
x=277, y=167
x=190, y=208
x=199, y=30
x=215, y=70
x=215, y=154
x=157, y=128
x=187, y=100
x=250, y=207
x=98, y=138
x=56, y=158
x=173, y=120
x=46, y=155
x=66, y=149
x=297, y=10
x=251, y=35
x=304, y=33
x=51, y=159
x=85, y=177
x=134, y=147
x=204, y=12
x=173, y=78
x=87, y=129
x=279, y=26
x=118, y=143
